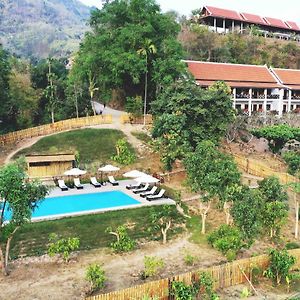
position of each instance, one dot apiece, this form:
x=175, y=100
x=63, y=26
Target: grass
x=32, y=239
x=93, y=145
x=142, y=136
x=194, y=227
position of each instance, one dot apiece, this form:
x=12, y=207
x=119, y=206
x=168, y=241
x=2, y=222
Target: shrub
x=134, y=106
x=152, y=265
x=231, y=255
x=125, y=154
x=226, y=239
x=123, y=243
x=95, y=275
x=62, y=246
x=206, y=287
x=293, y=161
x=181, y=291
x=280, y=264
x=292, y=245
x=190, y=259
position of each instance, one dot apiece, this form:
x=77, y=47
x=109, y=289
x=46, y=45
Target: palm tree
x=147, y=49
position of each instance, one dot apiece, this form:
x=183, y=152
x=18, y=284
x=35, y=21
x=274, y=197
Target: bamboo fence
x=129, y=119
x=224, y=276
x=13, y=137
x=260, y=170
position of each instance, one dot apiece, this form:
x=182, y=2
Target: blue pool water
x=71, y=204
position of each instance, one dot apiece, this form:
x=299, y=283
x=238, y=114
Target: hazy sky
x=287, y=10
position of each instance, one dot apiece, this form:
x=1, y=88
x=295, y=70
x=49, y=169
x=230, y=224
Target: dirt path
x=43, y=278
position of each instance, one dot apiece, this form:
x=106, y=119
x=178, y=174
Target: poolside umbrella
x=108, y=168
x=75, y=172
x=134, y=174
x=147, y=179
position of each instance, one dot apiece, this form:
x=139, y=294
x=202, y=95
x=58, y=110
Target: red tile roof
x=293, y=25
x=288, y=77
x=276, y=23
x=253, y=19
x=235, y=75
x=223, y=13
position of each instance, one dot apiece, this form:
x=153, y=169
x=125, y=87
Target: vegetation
x=34, y=33
x=200, y=43
x=20, y=199
x=163, y=220
x=131, y=48
x=278, y=135
x=210, y=173
x=187, y=115
x=125, y=153
x=280, y=265
x=123, y=243
x=226, y=239
x=95, y=275
x=62, y=246
x=293, y=161
x=104, y=144
x=152, y=266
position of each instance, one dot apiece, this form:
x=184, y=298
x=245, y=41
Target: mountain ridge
x=42, y=28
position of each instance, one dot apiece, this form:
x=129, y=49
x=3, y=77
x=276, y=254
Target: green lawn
x=93, y=145
x=32, y=239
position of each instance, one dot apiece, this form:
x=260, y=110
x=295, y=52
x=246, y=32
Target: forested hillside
x=42, y=28
x=250, y=48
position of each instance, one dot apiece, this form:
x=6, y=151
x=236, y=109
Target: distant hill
x=39, y=28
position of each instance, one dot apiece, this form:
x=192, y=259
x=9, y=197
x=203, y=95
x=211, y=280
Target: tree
x=296, y=190
x=210, y=172
x=275, y=209
x=20, y=199
x=186, y=115
x=120, y=32
x=246, y=212
x=6, y=110
x=146, y=50
x=163, y=220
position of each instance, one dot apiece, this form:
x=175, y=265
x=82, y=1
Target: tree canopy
x=186, y=115
x=110, y=52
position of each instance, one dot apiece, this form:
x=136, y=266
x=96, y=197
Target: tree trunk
x=2, y=263
x=145, y=97
x=115, y=234
x=164, y=232
x=203, y=223
x=226, y=208
x=52, y=116
x=296, y=216
x=8, y=247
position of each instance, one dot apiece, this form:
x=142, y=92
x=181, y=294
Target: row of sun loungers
x=144, y=191
x=93, y=181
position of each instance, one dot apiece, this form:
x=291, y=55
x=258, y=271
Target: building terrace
x=254, y=88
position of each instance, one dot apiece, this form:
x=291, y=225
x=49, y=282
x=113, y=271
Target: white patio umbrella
x=107, y=169
x=147, y=179
x=75, y=172
x=134, y=174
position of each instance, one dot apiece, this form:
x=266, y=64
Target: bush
x=190, y=259
x=226, y=239
x=125, y=154
x=181, y=291
x=152, y=265
x=231, y=255
x=280, y=265
x=134, y=106
x=292, y=245
x=95, y=275
x=293, y=161
x=123, y=243
x=62, y=246
x=206, y=287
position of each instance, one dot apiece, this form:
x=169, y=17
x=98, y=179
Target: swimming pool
x=70, y=205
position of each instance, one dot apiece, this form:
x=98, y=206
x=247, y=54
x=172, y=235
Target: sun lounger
x=140, y=190
x=112, y=180
x=134, y=186
x=95, y=182
x=151, y=192
x=156, y=197
x=77, y=183
x=62, y=185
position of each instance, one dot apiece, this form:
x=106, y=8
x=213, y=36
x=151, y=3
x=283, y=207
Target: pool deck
x=89, y=189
